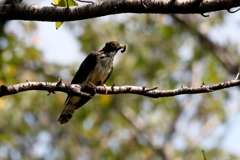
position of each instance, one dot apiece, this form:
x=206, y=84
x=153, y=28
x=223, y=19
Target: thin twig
x=205, y=15
x=83, y=90
x=233, y=11
x=204, y=155
x=86, y=1
x=237, y=77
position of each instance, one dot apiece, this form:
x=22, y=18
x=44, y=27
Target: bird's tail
x=67, y=113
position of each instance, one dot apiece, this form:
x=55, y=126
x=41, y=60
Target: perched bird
x=94, y=70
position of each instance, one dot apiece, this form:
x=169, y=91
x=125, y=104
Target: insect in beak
x=124, y=48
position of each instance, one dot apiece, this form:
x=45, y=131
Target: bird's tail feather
x=67, y=113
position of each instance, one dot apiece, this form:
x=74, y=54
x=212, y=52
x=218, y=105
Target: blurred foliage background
x=163, y=50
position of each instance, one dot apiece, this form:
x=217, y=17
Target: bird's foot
x=92, y=84
x=106, y=89
x=102, y=84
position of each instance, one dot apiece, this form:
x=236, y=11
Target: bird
x=94, y=70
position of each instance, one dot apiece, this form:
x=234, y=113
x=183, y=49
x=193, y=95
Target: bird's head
x=112, y=47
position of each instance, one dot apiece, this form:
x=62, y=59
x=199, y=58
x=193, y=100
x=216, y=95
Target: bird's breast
x=101, y=70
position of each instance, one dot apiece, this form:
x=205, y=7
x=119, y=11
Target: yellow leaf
x=63, y=3
x=58, y=24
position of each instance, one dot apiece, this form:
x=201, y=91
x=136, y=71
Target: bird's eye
x=113, y=44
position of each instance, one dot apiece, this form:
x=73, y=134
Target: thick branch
x=84, y=90
x=39, y=13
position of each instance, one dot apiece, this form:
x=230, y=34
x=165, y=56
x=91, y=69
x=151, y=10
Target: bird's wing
x=85, y=68
x=108, y=75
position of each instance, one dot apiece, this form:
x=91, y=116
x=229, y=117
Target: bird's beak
x=123, y=47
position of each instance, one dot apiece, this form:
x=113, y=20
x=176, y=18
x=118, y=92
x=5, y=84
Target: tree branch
x=85, y=90
x=74, y=89
x=55, y=13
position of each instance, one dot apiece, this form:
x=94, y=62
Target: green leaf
x=72, y=3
